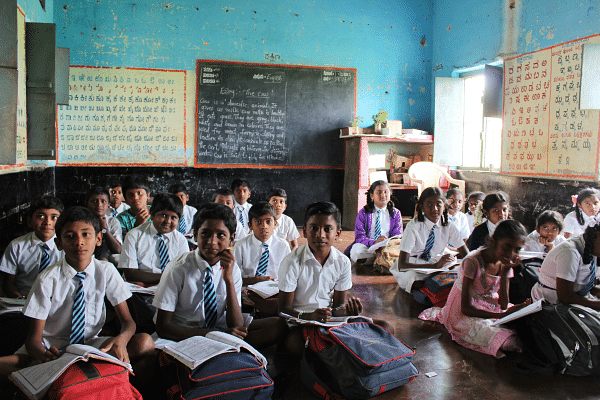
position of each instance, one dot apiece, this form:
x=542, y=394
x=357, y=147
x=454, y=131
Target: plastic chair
x=427, y=174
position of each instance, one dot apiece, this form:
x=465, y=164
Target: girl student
x=568, y=274
x=473, y=201
x=546, y=235
x=377, y=221
x=456, y=201
x=425, y=239
x=495, y=207
x=481, y=291
x=587, y=206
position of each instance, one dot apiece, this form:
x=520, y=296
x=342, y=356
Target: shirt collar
x=308, y=255
x=430, y=224
x=69, y=272
x=257, y=242
x=378, y=209
x=152, y=230
x=202, y=263
x=36, y=241
x=491, y=227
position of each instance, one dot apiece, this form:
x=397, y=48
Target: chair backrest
x=427, y=174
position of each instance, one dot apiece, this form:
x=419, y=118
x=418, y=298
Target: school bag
x=232, y=376
x=387, y=255
x=563, y=338
x=525, y=277
x=357, y=360
x=93, y=380
x=436, y=289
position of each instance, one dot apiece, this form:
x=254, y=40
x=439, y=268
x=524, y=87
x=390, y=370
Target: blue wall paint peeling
x=380, y=38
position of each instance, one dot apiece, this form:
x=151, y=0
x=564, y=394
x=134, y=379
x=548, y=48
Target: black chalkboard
x=273, y=115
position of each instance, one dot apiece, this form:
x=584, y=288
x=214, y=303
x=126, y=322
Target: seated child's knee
x=385, y=325
x=141, y=345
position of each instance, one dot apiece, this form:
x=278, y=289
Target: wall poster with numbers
x=123, y=116
x=544, y=132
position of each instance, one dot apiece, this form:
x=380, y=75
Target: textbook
x=333, y=321
x=133, y=288
x=530, y=309
x=195, y=350
x=36, y=380
x=8, y=304
x=265, y=289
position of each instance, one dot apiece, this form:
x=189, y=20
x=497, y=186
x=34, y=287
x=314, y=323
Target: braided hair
x=370, y=207
x=589, y=237
x=427, y=193
x=581, y=196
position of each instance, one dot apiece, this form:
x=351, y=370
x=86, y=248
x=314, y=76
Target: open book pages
x=195, y=350
x=9, y=305
x=525, y=255
x=133, y=288
x=383, y=243
x=530, y=309
x=333, y=321
x=265, y=289
x=36, y=380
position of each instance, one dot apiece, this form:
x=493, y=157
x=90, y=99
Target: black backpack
x=525, y=277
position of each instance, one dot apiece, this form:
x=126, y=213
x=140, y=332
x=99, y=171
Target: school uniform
x=313, y=284
x=470, y=220
x=23, y=256
x=248, y=252
x=113, y=212
x=188, y=219
x=364, y=231
x=563, y=261
x=241, y=231
x=52, y=297
x=414, y=241
x=480, y=235
x=181, y=290
x=286, y=228
x=242, y=210
x=532, y=242
x=462, y=224
x=572, y=226
x=140, y=249
x=115, y=229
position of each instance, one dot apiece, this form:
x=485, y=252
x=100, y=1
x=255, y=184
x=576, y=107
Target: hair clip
x=574, y=200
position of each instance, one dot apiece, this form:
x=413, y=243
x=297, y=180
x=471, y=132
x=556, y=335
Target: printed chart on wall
x=544, y=131
x=123, y=116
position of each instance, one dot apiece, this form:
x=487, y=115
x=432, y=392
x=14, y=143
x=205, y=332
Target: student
x=117, y=202
x=286, y=227
x=456, y=200
x=425, y=239
x=546, y=235
x=473, y=201
x=187, y=217
x=97, y=201
x=225, y=196
x=259, y=254
x=241, y=192
x=28, y=255
x=481, y=292
x=314, y=279
x=495, y=208
x=209, y=272
x=588, y=206
x=136, y=195
x=51, y=303
x=568, y=274
x=377, y=221
x=144, y=258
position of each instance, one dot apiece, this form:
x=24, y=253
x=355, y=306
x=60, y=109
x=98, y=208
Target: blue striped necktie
x=182, y=225
x=241, y=216
x=210, y=300
x=78, y=316
x=426, y=255
x=591, y=280
x=114, y=212
x=378, y=225
x=45, y=260
x=263, y=263
x=163, y=253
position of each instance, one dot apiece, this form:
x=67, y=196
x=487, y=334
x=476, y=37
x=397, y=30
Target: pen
x=338, y=308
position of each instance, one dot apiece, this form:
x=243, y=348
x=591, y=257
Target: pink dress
x=473, y=332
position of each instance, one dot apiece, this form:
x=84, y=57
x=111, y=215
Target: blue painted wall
x=387, y=41
x=35, y=13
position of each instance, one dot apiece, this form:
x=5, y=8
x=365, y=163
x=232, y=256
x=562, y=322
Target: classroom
x=390, y=55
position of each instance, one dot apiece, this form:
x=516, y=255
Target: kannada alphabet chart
x=123, y=116
x=544, y=131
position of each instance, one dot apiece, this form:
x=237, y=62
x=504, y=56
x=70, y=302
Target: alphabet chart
x=123, y=116
x=544, y=132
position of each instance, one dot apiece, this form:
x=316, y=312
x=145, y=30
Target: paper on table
x=382, y=243
x=530, y=309
x=265, y=289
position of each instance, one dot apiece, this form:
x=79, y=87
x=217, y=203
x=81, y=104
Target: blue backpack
x=357, y=360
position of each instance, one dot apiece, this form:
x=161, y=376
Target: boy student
x=149, y=247
x=136, y=193
x=314, y=278
x=201, y=289
x=187, y=216
x=225, y=197
x=259, y=254
x=97, y=201
x=66, y=302
x=241, y=192
x=28, y=255
x=117, y=202
x=286, y=227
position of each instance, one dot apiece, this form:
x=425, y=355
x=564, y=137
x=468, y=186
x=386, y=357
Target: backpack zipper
x=578, y=342
x=593, y=340
x=569, y=355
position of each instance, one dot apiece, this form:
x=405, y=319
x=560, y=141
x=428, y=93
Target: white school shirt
x=181, y=290
x=571, y=225
x=114, y=226
x=241, y=231
x=111, y=211
x=384, y=221
x=532, y=242
x=188, y=214
x=22, y=259
x=53, y=293
x=415, y=237
x=462, y=224
x=286, y=228
x=247, y=253
x=563, y=261
x=140, y=250
x=470, y=220
x=242, y=209
x=313, y=284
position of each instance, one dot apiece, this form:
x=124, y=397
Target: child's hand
x=142, y=216
x=353, y=306
x=238, y=331
x=103, y=223
x=445, y=259
x=117, y=347
x=517, y=307
x=264, y=278
x=227, y=261
x=547, y=243
x=41, y=355
x=321, y=314
x=380, y=239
